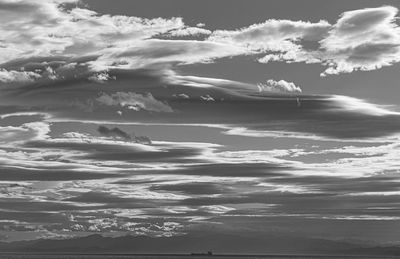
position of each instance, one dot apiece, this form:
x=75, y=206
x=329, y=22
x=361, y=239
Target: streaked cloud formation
x=364, y=39
x=105, y=128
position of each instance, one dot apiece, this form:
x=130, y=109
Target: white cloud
x=351, y=104
x=280, y=86
x=101, y=77
x=17, y=76
x=273, y=35
x=154, y=52
x=44, y=28
x=216, y=209
x=358, y=27
x=234, y=87
x=181, y=96
x=365, y=39
x=207, y=98
x=189, y=31
x=41, y=129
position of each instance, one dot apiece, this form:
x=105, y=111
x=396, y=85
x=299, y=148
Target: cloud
x=364, y=20
x=69, y=171
x=273, y=35
x=207, y=98
x=134, y=101
x=22, y=174
x=171, y=77
x=195, y=188
x=101, y=77
x=280, y=86
x=118, y=133
x=364, y=39
x=181, y=96
x=114, y=132
x=17, y=76
x=112, y=185
x=46, y=27
x=189, y=31
x=151, y=52
x=52, y=28
x=351, y=104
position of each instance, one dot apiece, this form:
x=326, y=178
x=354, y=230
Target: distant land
x=218, y=243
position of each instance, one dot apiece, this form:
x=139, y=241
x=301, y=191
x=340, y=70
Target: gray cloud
x=114, y=132
x=43, y=174
x=17, y=76
x=134, y=101
x=195, y=188
x=118, y=133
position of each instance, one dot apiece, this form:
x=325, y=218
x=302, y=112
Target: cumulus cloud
x=101, y=77
x=280, y=86
x=17, y=76
x=134, y=101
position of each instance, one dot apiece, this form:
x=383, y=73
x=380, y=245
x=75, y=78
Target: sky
x=171, y=119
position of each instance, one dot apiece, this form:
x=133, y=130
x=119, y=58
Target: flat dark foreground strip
x=181, y=256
